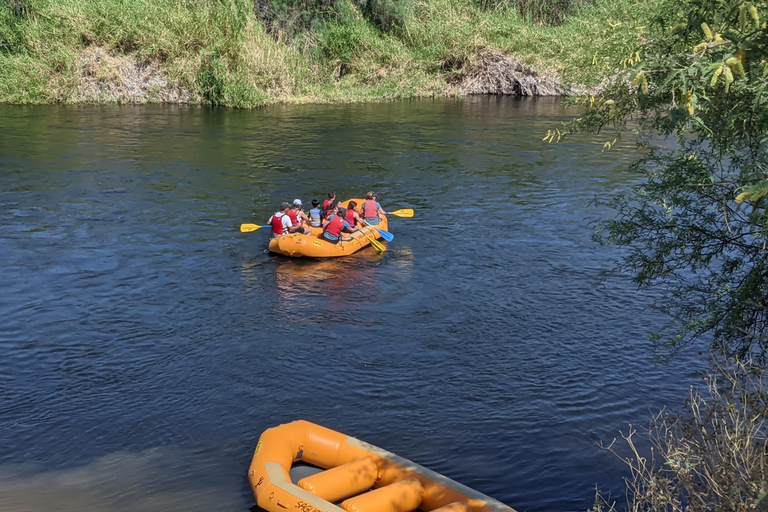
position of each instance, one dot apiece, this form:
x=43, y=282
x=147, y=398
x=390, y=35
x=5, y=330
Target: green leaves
x=753, y=193
x=685, y=226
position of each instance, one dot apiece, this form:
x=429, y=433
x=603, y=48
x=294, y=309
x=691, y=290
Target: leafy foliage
x=19, y=8
x=386, y=15
x=289, y=18
x=698, y=222
x=542, y=12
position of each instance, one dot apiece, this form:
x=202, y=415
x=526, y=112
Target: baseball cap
x=284, y=205
x=297, y=202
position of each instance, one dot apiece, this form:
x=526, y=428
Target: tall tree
x=697, y=224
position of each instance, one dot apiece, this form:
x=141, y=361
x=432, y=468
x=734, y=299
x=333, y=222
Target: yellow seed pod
x=547, y=135
x=707, y=31
x=637, y=56
x=715, y=76
x=735, y=65
x=742, y=197
x=742, y=17
x=700, y=47
x=687, y=97
x=677, y=28
x=644, y=85
x=718, y=39
x=741, y=54
x=728, y=78
x=690, y=109
x=753, y=13
x=610, y=102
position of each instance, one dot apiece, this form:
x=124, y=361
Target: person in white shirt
x=281, y=222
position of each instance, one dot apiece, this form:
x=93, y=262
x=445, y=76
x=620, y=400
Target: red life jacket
x=334, y=225
x=292, y=215
x=327, y=204
x=277, y=223
x=370, y=210
x=350, y=217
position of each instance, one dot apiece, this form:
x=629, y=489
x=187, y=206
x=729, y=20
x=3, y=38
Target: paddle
x=247, y=228
x=375, y=243
x=405, y=212
x=386, y=235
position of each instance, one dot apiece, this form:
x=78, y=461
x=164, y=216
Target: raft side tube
x=456, y=506
x=402, y=496
x=438, y=489
x=342, y=481
x=327, y=448
x=287, y=495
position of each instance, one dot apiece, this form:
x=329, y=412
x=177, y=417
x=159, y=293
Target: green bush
x=541, y=12
x=19, y=8
x=386, y=15
x=289, y=18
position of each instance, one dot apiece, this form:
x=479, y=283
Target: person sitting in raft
x=298, y=218
x=315, y=214
x=335, y=224
x=301, y=217
x=352, y=217
x=281, y=222
x=330, y=201
x=329, y=204
x=372, y=209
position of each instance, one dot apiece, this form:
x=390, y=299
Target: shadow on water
x=147, y=342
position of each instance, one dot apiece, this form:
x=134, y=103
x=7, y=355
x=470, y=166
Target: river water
x=145, y=342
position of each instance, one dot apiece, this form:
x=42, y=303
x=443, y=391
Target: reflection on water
x=146, y=342
x=122, y=482
x=325, y=290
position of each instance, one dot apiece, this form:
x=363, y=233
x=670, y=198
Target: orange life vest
x=335, y=225
x=350, y=217
x=277, y=224
x=370, y=209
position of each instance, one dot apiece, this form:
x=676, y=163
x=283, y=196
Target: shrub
x=289, y=18
x=542, y=12
x=386, y=15
x=712, y=457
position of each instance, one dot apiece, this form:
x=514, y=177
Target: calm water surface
x=145, y=342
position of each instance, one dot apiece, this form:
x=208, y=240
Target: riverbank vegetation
x=246, y=53
x=696, y=227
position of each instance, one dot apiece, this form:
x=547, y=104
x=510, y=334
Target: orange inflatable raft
x=314, y=246
x=351, y=476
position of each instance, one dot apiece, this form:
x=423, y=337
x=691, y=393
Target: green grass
x=223, y=55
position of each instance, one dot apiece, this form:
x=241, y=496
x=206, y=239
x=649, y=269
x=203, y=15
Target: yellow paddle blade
x=378, y=245
x=247, y=228
x=375, y=243
x=405, y=212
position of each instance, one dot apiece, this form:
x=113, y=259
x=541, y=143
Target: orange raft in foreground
x=353, y=476
x=314, y=246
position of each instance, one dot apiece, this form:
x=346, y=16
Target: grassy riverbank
x=239, y=53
